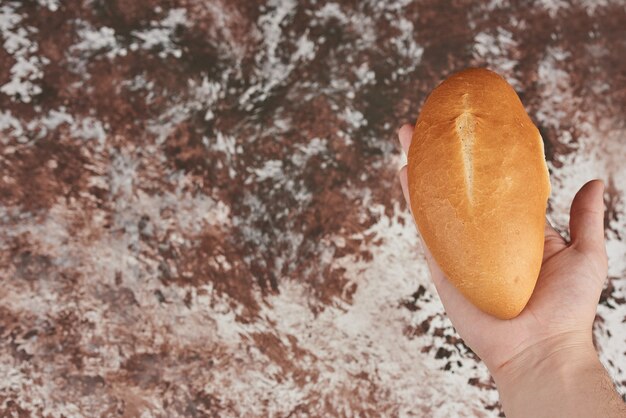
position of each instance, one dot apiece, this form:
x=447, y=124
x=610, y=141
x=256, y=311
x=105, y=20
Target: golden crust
x=478, y=186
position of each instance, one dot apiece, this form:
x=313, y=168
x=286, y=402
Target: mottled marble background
x=199, y=212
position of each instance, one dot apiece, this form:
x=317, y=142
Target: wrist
x=554, y=368
x=556, y=353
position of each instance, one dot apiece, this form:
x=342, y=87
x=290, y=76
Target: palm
x=557, y=304
x=564, y=276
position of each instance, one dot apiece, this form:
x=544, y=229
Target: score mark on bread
x=466, y=126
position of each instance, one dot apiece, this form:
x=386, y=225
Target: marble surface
x=199, y=212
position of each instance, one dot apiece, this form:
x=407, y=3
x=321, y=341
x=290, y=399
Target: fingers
x=439, y=277
x=404, y=135
x=587, y=219
x=404, y=182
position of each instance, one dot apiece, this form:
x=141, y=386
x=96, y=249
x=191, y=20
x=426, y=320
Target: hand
x=556, y=325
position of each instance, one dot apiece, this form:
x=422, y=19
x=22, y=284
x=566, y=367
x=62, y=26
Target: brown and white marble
x=199, y=213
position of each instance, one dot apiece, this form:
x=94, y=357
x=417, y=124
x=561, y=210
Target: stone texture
x=199, y=212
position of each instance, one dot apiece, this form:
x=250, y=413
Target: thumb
x=586, y=221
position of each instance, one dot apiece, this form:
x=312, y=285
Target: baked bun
x=479, y=185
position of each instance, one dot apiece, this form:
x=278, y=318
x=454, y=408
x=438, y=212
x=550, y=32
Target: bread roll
x=479, y=185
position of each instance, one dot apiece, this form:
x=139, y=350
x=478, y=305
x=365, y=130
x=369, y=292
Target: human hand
x=554, y=330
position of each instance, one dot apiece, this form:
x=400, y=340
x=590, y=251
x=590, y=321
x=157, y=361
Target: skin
x=543, y=361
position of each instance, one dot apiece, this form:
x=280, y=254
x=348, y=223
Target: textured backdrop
x=199, y=214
